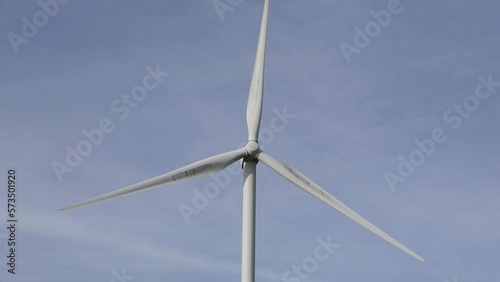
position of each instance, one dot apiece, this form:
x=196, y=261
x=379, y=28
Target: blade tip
x=68, y=208
x=419, y=258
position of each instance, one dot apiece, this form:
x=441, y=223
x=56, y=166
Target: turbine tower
x=250, y=154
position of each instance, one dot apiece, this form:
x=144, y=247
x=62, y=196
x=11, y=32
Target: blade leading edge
x=197, y=169
x=312, y=188
x=254, y=106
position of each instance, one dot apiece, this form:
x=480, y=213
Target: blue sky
x=353, y=120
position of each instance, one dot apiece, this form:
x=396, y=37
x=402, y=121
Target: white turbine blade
x=197, y=169
x=254, y=107
x=312, y=188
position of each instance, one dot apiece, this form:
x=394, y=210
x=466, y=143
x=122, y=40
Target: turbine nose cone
x=252, y=148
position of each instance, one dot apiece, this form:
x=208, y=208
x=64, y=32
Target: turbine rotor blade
x=254, y=106
x=312, y=188
x=197, y=169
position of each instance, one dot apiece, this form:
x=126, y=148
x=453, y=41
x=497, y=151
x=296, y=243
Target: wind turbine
x=250, y=154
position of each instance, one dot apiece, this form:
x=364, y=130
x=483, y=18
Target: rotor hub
x=252, y=149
